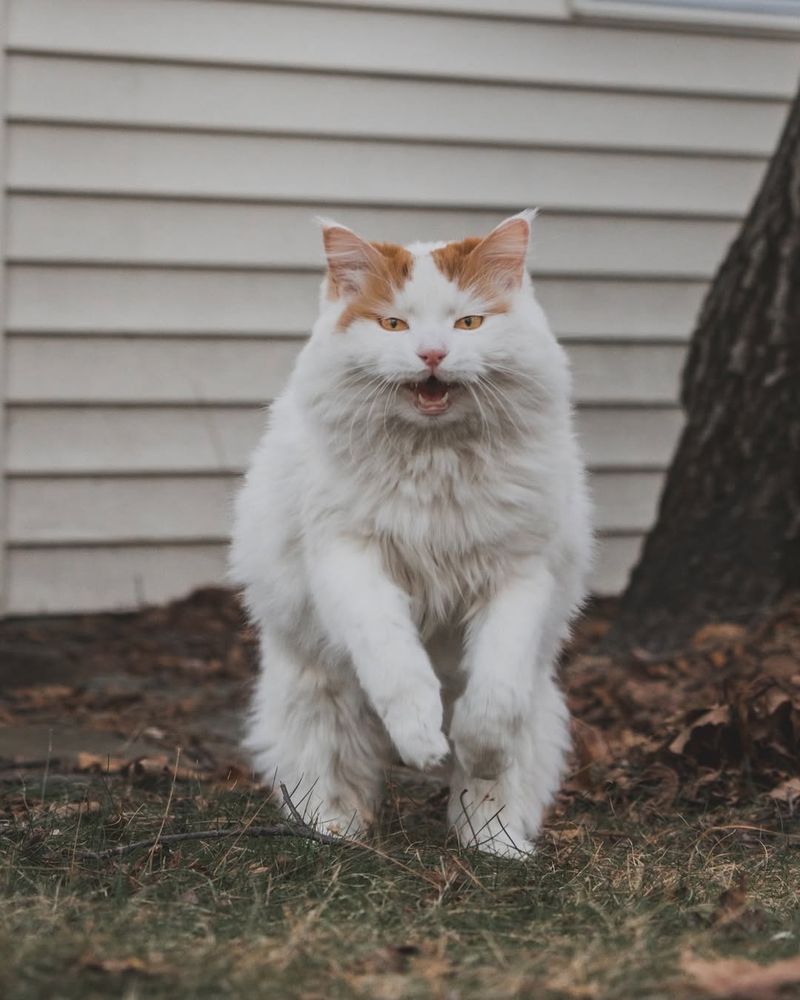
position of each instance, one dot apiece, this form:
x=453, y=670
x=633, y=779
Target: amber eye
x=469, y=322
x=393, y=323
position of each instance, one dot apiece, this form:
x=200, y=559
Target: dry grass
x=666, y=869
x=606, y=908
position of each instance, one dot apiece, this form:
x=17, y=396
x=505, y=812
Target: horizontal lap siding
x=406, y=45
x=81, y=91
x=165, y=159
x=78, y=578
x=81, y=159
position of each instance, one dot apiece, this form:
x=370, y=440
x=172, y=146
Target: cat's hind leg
x=311, y=730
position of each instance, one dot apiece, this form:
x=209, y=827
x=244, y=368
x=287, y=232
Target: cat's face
x=431, y=332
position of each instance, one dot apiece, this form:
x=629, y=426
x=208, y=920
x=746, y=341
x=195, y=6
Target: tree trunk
x=726, y=542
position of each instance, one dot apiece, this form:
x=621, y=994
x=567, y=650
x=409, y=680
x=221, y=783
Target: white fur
x=411, y=575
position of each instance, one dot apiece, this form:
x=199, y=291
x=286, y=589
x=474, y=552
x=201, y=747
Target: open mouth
x=432, y=396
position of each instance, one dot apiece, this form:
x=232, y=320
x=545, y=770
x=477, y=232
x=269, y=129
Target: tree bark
x=726, y=543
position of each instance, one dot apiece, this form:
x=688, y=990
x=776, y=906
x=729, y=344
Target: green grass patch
x=606, y=908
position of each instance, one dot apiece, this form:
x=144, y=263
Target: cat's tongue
x=432, y=389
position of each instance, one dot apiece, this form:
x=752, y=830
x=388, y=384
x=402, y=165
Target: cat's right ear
x=350, y=259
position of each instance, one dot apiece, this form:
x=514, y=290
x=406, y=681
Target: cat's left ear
x=350, y=258
x=502, y=254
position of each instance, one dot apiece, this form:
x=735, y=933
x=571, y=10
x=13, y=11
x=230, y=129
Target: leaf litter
x=718, y=721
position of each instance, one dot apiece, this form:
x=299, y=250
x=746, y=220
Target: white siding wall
x=164, y=157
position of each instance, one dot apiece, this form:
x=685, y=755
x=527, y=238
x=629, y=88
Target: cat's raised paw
x=414, y=723
x=419, y=745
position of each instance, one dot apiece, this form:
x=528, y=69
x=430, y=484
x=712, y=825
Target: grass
x=605, y=909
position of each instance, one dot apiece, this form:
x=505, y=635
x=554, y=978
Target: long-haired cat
x=413, y=537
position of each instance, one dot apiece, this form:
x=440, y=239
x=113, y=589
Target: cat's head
x=434, y=333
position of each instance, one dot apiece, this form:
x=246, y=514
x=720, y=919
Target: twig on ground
x=278, y=830
x=287, y=801
x=299, y=829
x=789, y=838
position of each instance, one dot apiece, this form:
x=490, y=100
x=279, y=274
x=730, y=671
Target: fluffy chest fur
x=451, y=514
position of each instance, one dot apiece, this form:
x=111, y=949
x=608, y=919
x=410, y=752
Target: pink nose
x=432, y=358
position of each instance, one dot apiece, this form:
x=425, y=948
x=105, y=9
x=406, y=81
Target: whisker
x=374, y=389
x=512, y=415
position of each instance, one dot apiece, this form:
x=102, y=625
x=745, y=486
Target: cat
x=413, y=537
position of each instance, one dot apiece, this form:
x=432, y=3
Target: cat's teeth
x=426, y=399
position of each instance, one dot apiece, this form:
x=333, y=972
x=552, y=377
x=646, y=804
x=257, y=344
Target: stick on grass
x=298, y=828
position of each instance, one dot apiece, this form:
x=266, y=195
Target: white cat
x=413, y=537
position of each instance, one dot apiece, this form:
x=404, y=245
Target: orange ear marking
x=452, y=260
x=368, y=273
x=493, y=266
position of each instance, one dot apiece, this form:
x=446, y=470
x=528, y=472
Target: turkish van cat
x=413, y=538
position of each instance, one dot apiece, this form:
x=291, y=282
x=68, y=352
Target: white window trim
x=675, y=15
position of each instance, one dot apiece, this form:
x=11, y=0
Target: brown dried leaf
x=566, y=834
x=739, y=978
x=720, y=715
x=163, y=766
x=121, y=965
x=718, y=634
x=593, y=754
x=73, y=809
x=771, y=700
x=786, y=791
x=731, y=903
x=100, y=763
x=42, y=695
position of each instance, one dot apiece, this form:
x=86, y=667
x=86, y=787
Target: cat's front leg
x=501, y=650
x=509, y=726
x=368, y=616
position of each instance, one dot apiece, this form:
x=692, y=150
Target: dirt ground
x=676, y=831
x=127, y=685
